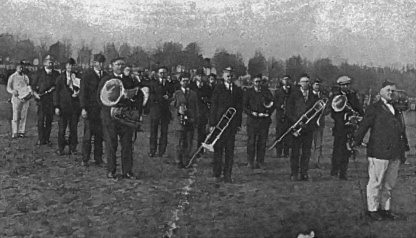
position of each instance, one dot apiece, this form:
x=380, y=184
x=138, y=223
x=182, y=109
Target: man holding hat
x=386, y=144
x=19, y=82
x=67, y=107
x=91, y=111
x=43, y=84
x=258, y=105
x=341, y=129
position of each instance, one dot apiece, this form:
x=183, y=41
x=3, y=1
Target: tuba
x=215, y=134
x=352, y=117
x=111, y=95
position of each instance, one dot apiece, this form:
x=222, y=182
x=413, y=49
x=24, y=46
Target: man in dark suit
x=258, y=105
x=43, y=84
x=282, y=123
x=340, y=153
x=186, y=118
x=160, y=94
x=113, y=130
x=300, y=101
x=225, y=95
x=204, y=93
x=67, y=107
x=385, y=147
x=91, y=111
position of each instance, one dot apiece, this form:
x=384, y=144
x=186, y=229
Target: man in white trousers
x=385, y=149
x=18, y=86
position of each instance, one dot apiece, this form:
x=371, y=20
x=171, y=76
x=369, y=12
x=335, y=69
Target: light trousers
x=19, y=115
x=382, y=179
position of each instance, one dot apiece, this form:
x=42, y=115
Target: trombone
x=296, y=128
x=215, y=134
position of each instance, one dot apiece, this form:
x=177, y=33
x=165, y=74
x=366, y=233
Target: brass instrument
x=352, y=117
x=296, y=128
x=182, y=113
x=215, y=134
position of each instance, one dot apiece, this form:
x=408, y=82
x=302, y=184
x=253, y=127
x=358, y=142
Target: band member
x=212, y=81
x=225, y=95
x=19, y=82
x=204, y=93
x=114, y=130
x=91, y=111
x=386, y=144
x=67, y=107
x=319, y=130
x=341, y=130
x=160, y=94
x=186, y=110
x=43, y=84
x=282, y=122
x=258, y=105
x=300, y=101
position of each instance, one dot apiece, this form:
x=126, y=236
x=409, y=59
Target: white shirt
x=118, y=75
x=389, y=106
x=228, y=86
x=97, y=72
x=17, y=82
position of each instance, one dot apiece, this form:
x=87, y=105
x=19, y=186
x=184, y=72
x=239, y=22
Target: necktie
x=305, y=95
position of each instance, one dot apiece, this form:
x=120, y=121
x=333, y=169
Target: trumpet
x=215, y=134
x=296, y=128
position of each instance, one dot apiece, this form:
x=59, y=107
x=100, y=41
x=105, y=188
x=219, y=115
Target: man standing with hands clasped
x=386, y=144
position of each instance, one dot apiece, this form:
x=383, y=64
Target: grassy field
x=44, y=195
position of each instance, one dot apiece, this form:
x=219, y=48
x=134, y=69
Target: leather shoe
x=304, y=177
x=60, y=152
x=21, y=135
x=376, y=216
x=228, y=180
x=129, y=175
x=151, y=155
x=387, y=214
x=111, y=175
x=84, y=163
x=343, y=177
x=73, y=152
x=294, y=177
x=39, y=143
x=48, y=142
x=181, y=165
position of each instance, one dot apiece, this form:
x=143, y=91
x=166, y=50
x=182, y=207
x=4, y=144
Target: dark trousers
x=302, y=142
x=66, y=120
x=256, y=144
x=92, y=128
x=224, y=146
x=202, y=132
x=340, y=155
x=283, y=147
x=163, y=139
x=112, y=133
x=45, y=118
x=184, y=145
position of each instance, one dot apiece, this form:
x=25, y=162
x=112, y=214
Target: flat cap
x=71, y=61
x=387, y=83
x=116, y=59
x=344, y=80
x=317, y=80
x=48, y=58
x=228, y=69
x=99, y=58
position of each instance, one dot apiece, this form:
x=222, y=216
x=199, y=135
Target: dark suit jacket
x=254, y=102
x=387, y=137
x=88, y=93
x=62, y=97
x=192, y=111
x=159, y=107
x=42, y=82
x=203, y=94
x=296, y=106
x=221, y=100
x=280, y=101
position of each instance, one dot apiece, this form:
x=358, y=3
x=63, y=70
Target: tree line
x=171, y=54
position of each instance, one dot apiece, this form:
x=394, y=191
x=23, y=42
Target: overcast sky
x=379, y=32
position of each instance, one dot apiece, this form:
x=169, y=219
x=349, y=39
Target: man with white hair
x=17, y=84
x=385, y=147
